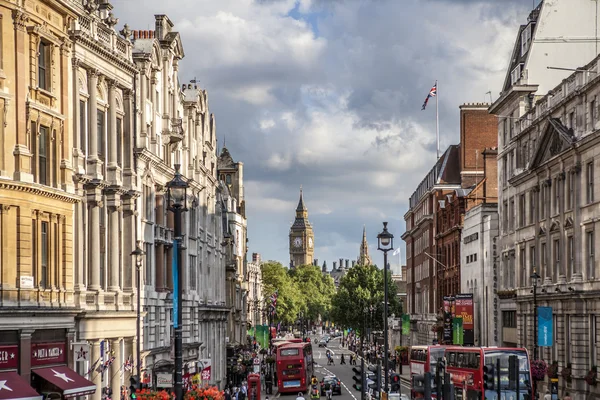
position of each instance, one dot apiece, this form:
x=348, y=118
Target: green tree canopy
x=289, y=299
x=316, y=288
x=360, y=293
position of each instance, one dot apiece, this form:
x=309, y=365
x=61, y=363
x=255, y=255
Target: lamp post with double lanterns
x=385, y=243
x=176, y=202
x=534, y=281
x=138, y=253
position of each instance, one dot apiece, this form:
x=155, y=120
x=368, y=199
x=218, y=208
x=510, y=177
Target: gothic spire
x=301, y=206
x=364, y=258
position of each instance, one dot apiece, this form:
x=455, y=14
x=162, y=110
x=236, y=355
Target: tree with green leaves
x=360, y=291
x=290, y=301
x=317, y=290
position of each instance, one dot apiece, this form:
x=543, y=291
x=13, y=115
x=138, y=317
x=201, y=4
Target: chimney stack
x=347, y=263
x=334, y=265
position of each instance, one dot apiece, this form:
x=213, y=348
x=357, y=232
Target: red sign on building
x=47, y=353
x=9, y=357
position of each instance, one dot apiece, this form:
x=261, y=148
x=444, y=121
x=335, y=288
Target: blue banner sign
x=175, y=285
x=545, y=328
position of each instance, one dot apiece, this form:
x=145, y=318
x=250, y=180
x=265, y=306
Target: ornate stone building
x=302, y=246
x=549, y=219
x=37, y=302
x=102, y=80
x=231, y=175
x=255, y=295
x=175, y=127
x=363, y=257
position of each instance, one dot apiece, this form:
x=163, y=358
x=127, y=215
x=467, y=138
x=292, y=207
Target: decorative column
x=78, y=245
x=23, y=170
x=113, y=170
x=114, y=242
x=143, y=89
x=115, y=367
x=94, y=242
x=153, y=82
x=78, y=154
x=95, y=377
x=94, y=167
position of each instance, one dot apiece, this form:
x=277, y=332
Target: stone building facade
x=102, y=103
x=37, y=302
x=231, y=174
x=176, y=127
x=255, y=293
x=549, y=218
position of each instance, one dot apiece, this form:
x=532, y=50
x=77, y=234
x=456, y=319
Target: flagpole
x=437, y=119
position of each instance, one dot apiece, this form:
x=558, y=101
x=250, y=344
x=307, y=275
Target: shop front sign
x=47, y=353
x=9, y=357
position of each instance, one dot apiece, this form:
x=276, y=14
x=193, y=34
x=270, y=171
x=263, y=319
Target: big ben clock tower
x=302, y=238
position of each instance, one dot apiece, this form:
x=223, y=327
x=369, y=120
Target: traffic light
x=357, y=378
x=376, y=378
x=134, y=385
x=395, y=381
x=489, y=376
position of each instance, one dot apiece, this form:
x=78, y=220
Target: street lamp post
x=138, y=253
x=534, y=280
x=176, y=201
x=385, y=243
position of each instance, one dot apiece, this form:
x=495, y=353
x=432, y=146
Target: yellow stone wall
x=28, y=196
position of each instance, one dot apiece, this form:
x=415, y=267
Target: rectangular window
x=193, y=273
x=572, y=120
x=504, y=169
x=511, y=221
x=43, y=66
x=556, y=270
x=570, y=256
x=505, y=217
x=56, y=257
x=101, y=134
x=119, y=139
x=593, y=342
x=589, y=175
x=523, y=267
x=571, y=192
x=543, y=261
x=556, y=196
x=543, y=202
x=83, y=128
x=148, y=263
x=591, y=261
x=592, y=115
x=531, y=259
x=522, y=209
x=532, y=201
x=509, y=319
x=148, y=202
x=43, y=156
x=44, y=255
x=34, y=258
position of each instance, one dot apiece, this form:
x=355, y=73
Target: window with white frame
x=589, y=176
x=525, y=39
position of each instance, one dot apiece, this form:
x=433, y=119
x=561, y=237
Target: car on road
x=322, y=343
x=336, y=385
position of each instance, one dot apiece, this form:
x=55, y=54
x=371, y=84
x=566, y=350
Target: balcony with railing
x=102, y=33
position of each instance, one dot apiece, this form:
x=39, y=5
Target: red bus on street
x=466, y=365
x=294, y=367
x=424, y=359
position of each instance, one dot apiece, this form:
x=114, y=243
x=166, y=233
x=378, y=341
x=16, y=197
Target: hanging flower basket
x=592, y=376
x=538, y=369
x=567, y=373
x=204, y=393
x=553, y=370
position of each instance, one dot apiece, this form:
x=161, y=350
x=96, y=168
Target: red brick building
x=435, y=217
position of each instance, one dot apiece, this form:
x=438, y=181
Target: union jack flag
x=273, y=299
x=432, y=93
x=128, y=364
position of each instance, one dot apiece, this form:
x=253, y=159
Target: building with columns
x=176, y=128
x=231, y=174
x=37, y=302
x=255, y=294
x=102, y=79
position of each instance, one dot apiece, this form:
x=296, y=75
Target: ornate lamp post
x=534, y=280
x=138, y=253
x=385, y=243
x=176, y=201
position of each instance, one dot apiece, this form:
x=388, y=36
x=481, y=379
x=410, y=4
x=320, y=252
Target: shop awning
x=68, y=381
x=12, y=386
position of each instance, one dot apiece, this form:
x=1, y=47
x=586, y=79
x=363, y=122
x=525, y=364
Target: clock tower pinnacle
x=302, y=246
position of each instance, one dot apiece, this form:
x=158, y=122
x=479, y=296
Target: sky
x=327, y=95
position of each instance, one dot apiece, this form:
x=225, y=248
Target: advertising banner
x=464, y=310
x=205, y=370
x=545, y=328
x=457, y=331
x=164, y=380
x=406, y=324
x=448, y=315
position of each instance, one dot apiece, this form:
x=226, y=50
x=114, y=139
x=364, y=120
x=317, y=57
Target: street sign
x=256, y=361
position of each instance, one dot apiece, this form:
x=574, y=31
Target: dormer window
x=515, y=75
x=525, y=39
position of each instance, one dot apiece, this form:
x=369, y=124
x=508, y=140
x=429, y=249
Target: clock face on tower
x=310, y=242
x=297, y=242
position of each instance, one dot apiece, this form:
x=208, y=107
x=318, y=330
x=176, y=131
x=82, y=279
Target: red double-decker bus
x=466, y=368
x=424, y=359
x=294, y=367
